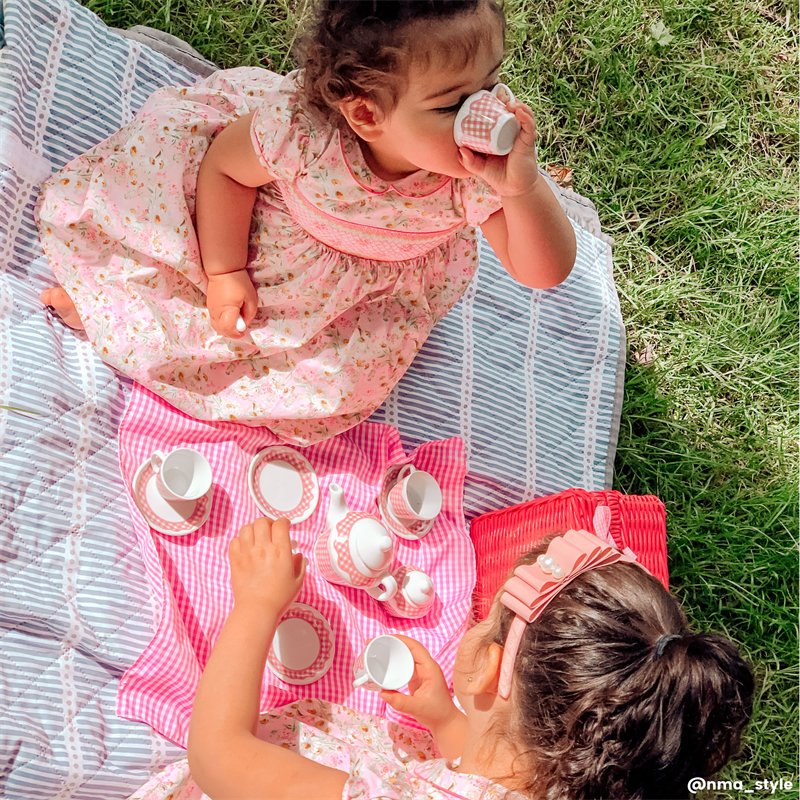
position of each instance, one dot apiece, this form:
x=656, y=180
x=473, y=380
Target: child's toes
x=62, y=304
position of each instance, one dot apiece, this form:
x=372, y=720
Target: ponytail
x=614, y=697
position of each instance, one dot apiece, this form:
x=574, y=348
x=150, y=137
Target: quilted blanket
x=530, y=380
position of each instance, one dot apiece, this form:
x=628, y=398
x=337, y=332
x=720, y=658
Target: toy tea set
x=357, y=549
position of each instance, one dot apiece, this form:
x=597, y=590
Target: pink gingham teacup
x=415, y=496
x=485, y=124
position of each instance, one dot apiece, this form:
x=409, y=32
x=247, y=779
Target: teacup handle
x=406, y=471
x=360, y=680
x=157, y=459
x=388, y=591
x=503, y=93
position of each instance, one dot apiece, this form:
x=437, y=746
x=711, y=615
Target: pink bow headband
x=532, y=587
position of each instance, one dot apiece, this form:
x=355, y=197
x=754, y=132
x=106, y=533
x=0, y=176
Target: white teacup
x=385, y=663
x=182, y=474
x=485, y=124
x=415, y=496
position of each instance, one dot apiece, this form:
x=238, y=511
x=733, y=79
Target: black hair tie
x=662, y=642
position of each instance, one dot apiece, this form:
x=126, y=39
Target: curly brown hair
x=363, y=48
x=602, y=709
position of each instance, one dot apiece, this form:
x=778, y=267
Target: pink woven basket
x=500, y=537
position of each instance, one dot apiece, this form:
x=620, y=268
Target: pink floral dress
x=382, y=759
x=352, y=272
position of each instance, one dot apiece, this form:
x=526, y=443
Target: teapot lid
x=371, y=544
x=417, y=587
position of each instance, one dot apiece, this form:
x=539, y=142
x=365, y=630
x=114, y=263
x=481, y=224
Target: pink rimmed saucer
x=283, y=484
x=415, y=529
x=302, y=649
x=173, y=517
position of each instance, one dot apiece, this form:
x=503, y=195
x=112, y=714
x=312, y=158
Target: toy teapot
x=415, y=593
x=356, y=550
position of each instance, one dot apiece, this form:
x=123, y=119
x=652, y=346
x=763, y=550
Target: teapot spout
x=337, y=508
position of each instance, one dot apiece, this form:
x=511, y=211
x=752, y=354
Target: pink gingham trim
x=310, y=488
x=341, y=545
x=476, y=127
x=399, y=604
x=140, y=490
x=414, y=527
x=189, y=576
x=397, y=502
x=322, y=560
x=326, y=645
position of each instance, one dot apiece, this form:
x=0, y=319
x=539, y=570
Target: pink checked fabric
x=352, y=272
x=190, y=577
x=476, y=128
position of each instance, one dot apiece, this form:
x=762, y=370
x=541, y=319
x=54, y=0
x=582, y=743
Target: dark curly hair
x=362, y=48
x=601, y=710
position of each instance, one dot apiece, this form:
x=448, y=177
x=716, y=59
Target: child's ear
x=364, y=116
x=486, y=675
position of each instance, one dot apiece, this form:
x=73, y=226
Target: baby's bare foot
x=61, y=303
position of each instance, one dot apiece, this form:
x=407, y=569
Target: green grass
x=678, y=121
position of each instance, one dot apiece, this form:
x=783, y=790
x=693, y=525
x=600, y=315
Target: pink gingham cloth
x=190, y=576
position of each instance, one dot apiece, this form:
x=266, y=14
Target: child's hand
x=429, y=700
x=264, y=571
x=228, y=296
x=516, y=173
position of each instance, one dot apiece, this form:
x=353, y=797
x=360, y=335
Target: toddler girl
x=583, y=682
x=275, y=250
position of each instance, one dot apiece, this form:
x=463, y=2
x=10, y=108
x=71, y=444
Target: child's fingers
x=234, y=548
x=422, y=658
x=397, y=700
x=520, y=109
x=246, y=535
x=280, y=535
x=527, y=123
x=227, y=322
x=262, y=531
x=299, y=563
x=474, y=162
x=249, y=309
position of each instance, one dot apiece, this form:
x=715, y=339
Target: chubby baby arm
x=229, y=177
x=430, y=703
x=531, y=235
x=225, y=757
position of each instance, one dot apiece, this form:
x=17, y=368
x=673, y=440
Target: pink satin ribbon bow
x=532, y=587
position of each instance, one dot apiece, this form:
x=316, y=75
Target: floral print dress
x=351, y=272
x=383, y=759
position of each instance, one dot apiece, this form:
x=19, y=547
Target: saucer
x=303, y=645
x=283, y=484
x=173, y=517
x=418, y=528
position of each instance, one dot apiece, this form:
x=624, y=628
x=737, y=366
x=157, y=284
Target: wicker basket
x=500, y=537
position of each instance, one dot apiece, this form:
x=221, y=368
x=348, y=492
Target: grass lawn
x=677, y=120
